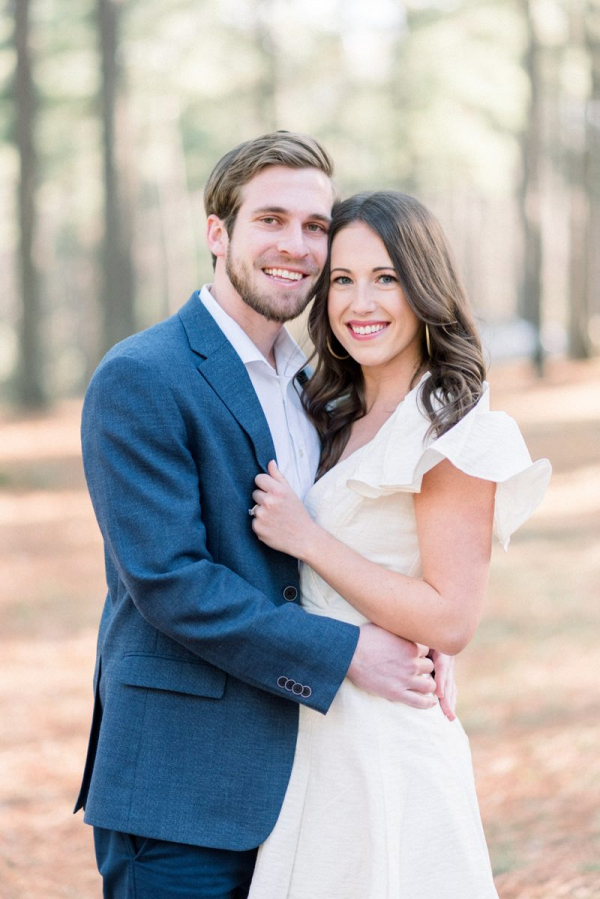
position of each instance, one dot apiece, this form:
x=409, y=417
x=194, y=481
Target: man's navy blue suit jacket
x=203, y=652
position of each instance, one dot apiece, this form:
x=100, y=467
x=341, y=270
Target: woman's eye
x=341, y=279
x=388, y=279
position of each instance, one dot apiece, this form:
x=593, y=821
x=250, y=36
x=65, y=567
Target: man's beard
x=281, y=309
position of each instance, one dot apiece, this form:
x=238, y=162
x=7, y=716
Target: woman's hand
x=279, y=517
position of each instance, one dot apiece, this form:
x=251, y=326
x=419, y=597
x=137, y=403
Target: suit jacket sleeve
x=143, y=480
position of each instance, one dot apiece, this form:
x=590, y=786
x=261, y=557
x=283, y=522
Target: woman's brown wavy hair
x=334, y=396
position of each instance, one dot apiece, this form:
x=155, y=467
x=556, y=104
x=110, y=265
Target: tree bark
x=266, y=89
x=530, y=199
x=579, y=181
x=118, y=293
x=30, y=385
x=592, y=37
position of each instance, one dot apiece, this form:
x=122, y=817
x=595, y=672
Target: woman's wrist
x=313, y=537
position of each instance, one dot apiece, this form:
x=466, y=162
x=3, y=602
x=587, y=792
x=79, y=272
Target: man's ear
x=216, y=236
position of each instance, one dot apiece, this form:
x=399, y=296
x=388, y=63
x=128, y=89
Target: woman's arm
x=454, y=514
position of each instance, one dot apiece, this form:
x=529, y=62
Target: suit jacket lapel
x=223, y=369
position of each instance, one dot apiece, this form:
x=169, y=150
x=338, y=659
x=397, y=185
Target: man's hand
x=393, y=668
x=445, y=684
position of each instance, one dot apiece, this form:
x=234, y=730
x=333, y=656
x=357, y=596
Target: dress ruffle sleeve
x=484, y=444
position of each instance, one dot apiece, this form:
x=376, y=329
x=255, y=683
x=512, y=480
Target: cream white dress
x=381, y=803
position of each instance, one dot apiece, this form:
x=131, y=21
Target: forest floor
x=528, y=695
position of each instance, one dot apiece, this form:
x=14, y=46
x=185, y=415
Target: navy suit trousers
x=135, y=867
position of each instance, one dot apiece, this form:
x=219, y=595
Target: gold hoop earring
x=427, y=340
x=335, y=355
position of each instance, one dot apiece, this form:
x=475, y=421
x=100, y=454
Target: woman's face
x=368, y=311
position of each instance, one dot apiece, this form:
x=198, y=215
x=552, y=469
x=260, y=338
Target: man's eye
x=316, y=228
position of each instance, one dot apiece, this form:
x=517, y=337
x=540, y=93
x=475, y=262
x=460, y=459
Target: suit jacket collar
x=222, y=368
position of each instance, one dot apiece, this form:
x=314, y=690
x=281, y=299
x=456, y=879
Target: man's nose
x=292, y=241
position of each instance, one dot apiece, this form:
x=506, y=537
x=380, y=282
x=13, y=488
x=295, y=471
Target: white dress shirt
x=294, y=437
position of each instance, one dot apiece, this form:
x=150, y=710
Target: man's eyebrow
x=265, y=210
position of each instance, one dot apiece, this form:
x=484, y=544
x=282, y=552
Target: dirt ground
x=529, y=692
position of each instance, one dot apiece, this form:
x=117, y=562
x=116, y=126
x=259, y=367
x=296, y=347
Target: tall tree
x=530, y=197
x=580, y=193
x=118, y=293
x=267, y=84
x=30, y=387
x=592, y=35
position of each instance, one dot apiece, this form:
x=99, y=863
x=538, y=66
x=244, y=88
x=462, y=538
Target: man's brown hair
x=223, y=191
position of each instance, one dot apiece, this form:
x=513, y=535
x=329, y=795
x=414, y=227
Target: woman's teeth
x=366, y=329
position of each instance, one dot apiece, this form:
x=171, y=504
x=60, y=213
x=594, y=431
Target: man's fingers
x=424, y=665
x=422, y=684
x=418, y=700
x=447, y=709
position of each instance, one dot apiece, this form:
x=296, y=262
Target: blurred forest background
x=112, y=114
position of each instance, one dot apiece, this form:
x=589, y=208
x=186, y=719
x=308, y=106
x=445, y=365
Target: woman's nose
x=362, y=299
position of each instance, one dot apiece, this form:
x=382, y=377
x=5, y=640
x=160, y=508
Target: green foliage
x=430, y=97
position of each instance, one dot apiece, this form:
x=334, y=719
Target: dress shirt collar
x=288, y=355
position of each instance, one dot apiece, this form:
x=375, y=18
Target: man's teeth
x=283, y=273
x=366, y=329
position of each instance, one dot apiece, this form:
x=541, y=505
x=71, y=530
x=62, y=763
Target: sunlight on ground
x=527, y=692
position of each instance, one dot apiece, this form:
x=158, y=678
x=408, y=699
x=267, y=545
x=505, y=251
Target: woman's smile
x=366, y=330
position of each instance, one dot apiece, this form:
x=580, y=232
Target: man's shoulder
x=159, y=345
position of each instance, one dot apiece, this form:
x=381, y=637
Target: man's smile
x=284, y=274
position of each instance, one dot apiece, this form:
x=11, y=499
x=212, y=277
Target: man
x=204, y=652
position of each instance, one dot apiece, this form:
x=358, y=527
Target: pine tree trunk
x=266, y=89
x=592, y=35
x=579, y=314
x=118, y=270
x=531, y=287
x=30, y=387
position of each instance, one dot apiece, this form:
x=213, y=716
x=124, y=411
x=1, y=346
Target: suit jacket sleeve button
x=306, y=692
x=290, y=684
x=290, y=593
x=282, y=681
x=297, y=689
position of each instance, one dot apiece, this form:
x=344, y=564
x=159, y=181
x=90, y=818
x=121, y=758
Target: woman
x=415, y=475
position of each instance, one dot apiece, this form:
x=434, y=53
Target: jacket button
x=297, y=689
x=282, y=681
x=290, y=684
x=290, y=593
x=306, y=692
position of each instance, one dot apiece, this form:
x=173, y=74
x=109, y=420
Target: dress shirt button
x=290, y=593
